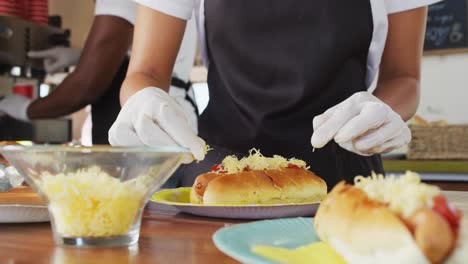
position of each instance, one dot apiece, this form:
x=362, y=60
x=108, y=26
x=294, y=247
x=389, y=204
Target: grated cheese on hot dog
x=404, y=195
x=256, y=161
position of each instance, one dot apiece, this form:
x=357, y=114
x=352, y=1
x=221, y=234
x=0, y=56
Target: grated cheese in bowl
x=90, y=203
x=404, y=195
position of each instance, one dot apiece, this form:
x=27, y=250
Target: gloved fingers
x=42, y=54
x=320, y=119
x=201, y=141
x=150, y=133
x=173, y=102
x=187, y=159
x=388, y=146
x=49, y=61
x=349, y=146
x=190, y=113
x=47, y=64
x=121, y=134
x=159, y=119
x=403, y=138
x=53, y=66
x=175, y=124
x=372, y=116
x=356, y=100
x=327, y=131
x=190, y=157
x=378, y=136
x=16, y=106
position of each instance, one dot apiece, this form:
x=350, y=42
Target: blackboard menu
x=447, y=26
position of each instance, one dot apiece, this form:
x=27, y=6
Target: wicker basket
x=439, y=142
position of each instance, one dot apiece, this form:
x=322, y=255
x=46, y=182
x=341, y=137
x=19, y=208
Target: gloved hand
x=362, y=124
x=58, y=58
x=179, y=94
x=153, y=118
x=15, y=106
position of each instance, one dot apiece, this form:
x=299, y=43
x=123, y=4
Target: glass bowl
x=95, y=195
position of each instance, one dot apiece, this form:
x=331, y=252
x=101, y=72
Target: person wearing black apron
x=105, y=110
x=274, y=67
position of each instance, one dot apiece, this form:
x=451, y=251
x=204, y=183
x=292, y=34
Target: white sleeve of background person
x=395, y=6
x=188, y=49
x=125, y=9
x=177, y=8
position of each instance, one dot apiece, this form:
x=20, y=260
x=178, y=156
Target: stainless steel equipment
x=53, y=131
x=17, y=38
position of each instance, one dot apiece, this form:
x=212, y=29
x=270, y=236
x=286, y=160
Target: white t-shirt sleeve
x=125, y=9
x=395, y=6
x=188, y=49
x=177, y=8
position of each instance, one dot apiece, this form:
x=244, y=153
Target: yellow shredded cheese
x=404, y=195
x=207, y=148
x=90, y=203
x=256, y=161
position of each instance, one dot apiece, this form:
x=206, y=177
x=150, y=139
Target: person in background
x=100, y=70
x=284, y=77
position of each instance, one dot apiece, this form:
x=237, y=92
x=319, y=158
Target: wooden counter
x=166, y=237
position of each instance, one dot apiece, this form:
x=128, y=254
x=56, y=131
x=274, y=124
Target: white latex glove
x=153, y=118
x=15, y=106
x=362, y=124
x=58, y=58
x=179, y=94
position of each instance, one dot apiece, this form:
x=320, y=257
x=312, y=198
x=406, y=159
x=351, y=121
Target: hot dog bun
x=460, y=254
x=257, y=179
x=366, y=230
x=199, y=187
x=287, y=185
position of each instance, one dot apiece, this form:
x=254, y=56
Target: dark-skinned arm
x=400, y=71
x=105, y=49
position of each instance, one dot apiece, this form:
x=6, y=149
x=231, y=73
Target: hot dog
x=258, y=180
x=391, y=220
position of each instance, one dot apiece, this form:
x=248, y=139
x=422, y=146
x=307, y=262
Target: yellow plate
x=180, y=198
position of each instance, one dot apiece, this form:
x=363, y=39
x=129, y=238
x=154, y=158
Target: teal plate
x=236, y=241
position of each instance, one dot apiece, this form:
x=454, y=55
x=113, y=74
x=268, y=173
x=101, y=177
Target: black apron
x=106, y=109
x=274, y=66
